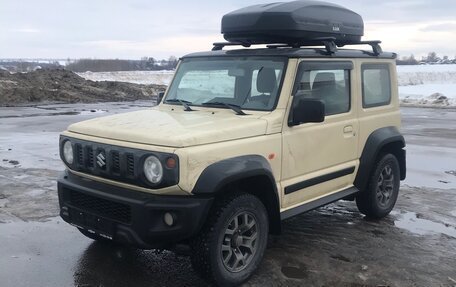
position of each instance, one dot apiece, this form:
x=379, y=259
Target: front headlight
x=153, y=169
x=68, y=152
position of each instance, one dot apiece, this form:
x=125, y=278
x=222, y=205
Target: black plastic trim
x=230, y=172
x=374, y=144
x=146, y=228
x=326, y=65
x=219, y=174
x=319, y=179
x=318, y=203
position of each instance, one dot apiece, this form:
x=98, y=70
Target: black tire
x=221, y=232
x=379, y=198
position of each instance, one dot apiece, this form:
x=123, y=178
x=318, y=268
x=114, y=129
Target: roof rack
x=329, y=43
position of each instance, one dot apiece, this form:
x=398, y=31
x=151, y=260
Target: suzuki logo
x=101, y=160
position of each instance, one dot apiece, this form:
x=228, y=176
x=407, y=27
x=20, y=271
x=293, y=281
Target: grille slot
x=102, y=207
x=90, y=158
x=80, y=154
x=130, y=165
x=115, y=157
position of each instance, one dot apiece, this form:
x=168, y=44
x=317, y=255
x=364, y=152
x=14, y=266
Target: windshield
x=248, y=83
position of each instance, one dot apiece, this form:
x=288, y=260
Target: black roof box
x=296, y=22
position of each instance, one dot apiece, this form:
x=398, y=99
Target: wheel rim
x=385, y=186
x=239, y=243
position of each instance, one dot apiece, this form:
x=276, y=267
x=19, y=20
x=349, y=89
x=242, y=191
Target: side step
x=318, y=203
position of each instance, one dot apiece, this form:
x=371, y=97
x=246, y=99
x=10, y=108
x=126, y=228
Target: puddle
x=91, y=112
x=41, y=115
x=294, y=272
x=67, y=113
x=36, y=192
x=409, y=221
x=451, y=172
x=22, y=176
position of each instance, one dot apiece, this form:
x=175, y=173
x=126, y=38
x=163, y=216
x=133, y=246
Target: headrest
x=266, y=80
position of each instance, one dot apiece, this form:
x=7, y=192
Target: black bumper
x=129, y=217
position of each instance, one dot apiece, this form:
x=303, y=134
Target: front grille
x=102, y=207
x=114, y=163
x=117, y=163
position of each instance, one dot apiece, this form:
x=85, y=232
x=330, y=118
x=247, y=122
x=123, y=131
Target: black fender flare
x=220, y=174
x=378, y=140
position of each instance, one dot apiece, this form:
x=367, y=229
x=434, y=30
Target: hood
x=173, y=128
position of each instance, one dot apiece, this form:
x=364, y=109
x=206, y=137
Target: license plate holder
x=92, y=223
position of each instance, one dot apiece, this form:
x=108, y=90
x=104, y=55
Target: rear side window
x=376, y=85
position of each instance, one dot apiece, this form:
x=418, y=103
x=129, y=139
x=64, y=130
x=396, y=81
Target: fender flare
x=376, y=141
x=218, y=175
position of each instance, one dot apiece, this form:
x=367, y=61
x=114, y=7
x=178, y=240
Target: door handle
x=348, y=129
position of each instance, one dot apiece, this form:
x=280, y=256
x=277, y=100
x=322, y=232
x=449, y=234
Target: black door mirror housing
x=306, y=111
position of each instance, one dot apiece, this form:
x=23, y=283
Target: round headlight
x=68, y=152
x=153, y=169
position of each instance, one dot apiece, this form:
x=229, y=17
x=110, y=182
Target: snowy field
x=428, y=85
x=423, y=85
x=136, y=77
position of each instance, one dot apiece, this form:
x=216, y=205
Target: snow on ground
x=137, y=77
x=428, y=85
x=420, y=85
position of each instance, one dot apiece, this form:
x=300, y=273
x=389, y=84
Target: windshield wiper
x=185, y=103
x=235, y=108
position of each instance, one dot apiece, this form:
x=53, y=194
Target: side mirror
x=160, y=97
x=306, y=111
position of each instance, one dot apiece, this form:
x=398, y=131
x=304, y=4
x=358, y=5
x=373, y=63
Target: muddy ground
x=331, y=246
x=62, y=86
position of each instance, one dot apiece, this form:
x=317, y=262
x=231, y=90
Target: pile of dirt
x=62, y=86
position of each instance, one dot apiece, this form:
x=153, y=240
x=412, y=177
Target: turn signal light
x=170, y=162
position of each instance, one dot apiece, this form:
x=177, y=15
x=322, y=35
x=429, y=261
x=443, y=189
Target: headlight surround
x=153, y=169
x=68, y=154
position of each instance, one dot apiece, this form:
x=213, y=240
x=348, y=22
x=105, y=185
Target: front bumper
x=129, y=217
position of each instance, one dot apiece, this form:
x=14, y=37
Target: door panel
x=320, y=158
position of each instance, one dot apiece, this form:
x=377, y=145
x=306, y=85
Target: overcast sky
x=132, y=29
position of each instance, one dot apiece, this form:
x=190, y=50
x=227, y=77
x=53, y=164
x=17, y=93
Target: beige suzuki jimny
x=243, y=139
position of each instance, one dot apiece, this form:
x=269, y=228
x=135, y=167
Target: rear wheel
x=379, y=198
x=232, y=243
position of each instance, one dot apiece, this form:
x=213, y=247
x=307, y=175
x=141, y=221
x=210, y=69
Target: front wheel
x=232, y=243
x=379, y=198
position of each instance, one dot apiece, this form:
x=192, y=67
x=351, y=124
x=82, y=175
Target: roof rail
x=220, y=45
x=329, y=43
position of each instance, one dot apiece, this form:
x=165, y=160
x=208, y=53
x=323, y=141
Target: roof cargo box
x=293, y=23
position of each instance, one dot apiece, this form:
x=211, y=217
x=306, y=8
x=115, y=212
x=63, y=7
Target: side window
x=376, y=85
x=330, y=86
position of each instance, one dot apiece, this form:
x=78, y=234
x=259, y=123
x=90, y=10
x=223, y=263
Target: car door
x=321, y=158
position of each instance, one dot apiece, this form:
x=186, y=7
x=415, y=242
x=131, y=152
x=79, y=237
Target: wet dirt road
x=331, y=246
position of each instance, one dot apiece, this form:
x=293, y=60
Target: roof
x=293, y=53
